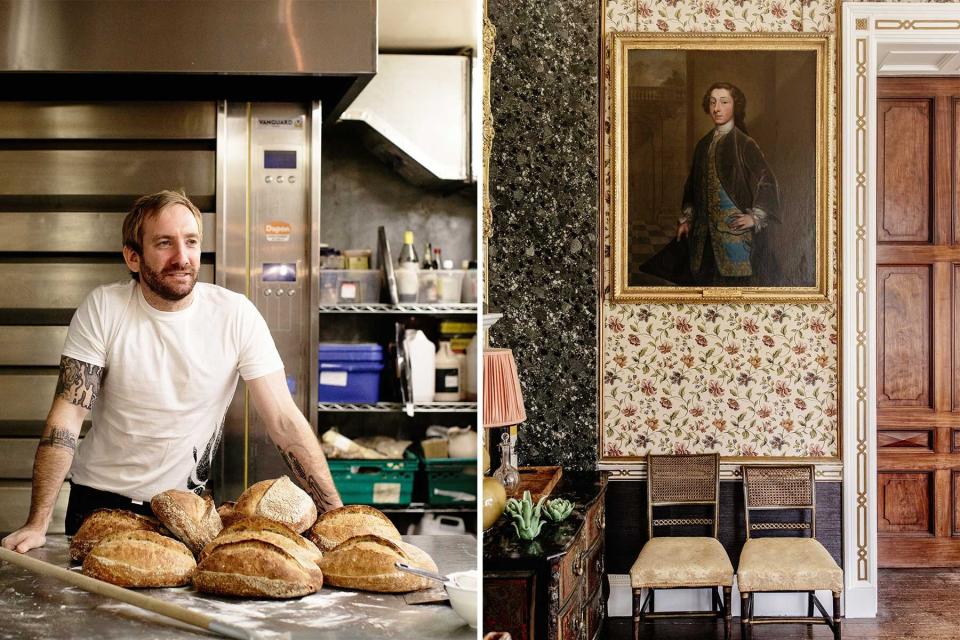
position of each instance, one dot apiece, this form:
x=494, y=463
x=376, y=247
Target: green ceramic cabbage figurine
x=526, y=516
x=558, y=509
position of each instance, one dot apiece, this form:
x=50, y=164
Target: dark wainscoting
x=627, y=521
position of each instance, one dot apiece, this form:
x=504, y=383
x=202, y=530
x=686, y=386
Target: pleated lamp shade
x=502, y=400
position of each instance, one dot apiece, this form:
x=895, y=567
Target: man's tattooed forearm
x=79, y=382
x=59, y=437
x=324, y=499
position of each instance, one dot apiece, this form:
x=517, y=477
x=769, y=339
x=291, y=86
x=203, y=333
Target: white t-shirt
x=168, y=380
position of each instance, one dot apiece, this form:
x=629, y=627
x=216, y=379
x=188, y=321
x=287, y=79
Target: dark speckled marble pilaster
x=544, y=93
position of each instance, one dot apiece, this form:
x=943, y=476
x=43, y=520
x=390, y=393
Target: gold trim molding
x=914, y=25
x=860, y=205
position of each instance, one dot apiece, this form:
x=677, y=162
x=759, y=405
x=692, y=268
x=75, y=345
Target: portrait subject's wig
x=147, y=208
x=739, y=103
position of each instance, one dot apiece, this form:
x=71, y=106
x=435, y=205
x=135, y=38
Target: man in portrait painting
x=730, y=198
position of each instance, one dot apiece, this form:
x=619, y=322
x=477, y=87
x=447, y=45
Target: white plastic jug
x=448, y=375
x=421, y=352
x=470, y=371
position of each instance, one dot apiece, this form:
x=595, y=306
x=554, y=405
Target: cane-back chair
x=785, y=564
x=682, y=562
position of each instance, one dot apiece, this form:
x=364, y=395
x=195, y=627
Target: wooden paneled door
x=918, y=329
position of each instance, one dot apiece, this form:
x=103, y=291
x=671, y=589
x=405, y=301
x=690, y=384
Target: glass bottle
x=507, y=474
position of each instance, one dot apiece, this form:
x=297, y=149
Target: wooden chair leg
x=637, y=613
x=836, y=616
x=727, y=618
x=745, y=616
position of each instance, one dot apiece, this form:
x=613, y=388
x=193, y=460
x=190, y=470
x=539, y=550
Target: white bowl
x=462, y=591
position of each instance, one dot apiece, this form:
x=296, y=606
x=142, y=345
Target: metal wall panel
x=15, y=506
x=61, y=285
x=73, y=231
x=105, y=172
x=27, y=397
x=16, y=458
x=31, y=346
x=108, y=120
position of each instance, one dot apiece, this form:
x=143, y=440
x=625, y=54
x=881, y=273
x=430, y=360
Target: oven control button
x=292, y=179
x=267, y=292
x=268, y=179
x=279, y=179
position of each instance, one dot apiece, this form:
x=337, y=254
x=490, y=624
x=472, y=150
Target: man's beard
x=156, y=282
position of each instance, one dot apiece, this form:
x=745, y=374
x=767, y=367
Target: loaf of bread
x=257, y=528
x=368, y=562
x=338, y=525
x=140, y=559
x=227, y=513
x=279, y=500
x=257, y=565
x=191, y=519
x=101, y=523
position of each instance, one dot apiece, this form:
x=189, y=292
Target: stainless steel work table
x=35, y=607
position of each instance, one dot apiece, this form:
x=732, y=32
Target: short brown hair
x=147, y=208
x=739, y=103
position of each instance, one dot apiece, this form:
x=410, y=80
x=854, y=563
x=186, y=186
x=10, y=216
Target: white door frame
x=865, y=25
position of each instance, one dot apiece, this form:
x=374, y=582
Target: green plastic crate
x=451, y=481
x=376, y=482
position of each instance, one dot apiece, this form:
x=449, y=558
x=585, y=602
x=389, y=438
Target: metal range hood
x=415, y=116
x=281, y=50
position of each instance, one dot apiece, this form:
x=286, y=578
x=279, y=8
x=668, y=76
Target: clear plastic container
x=468, y=292
x=427, y=291
x=344, y=286
x=449, y=282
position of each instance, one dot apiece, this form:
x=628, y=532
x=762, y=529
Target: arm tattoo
x=324, y=499
x=59, y=437
x=79, y=382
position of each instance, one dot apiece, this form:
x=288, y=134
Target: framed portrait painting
x=723, y=157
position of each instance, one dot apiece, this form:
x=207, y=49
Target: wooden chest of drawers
x=552, y=588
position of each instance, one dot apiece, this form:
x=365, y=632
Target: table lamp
x=502, y=407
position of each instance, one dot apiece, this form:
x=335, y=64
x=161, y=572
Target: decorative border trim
x=729, y=471
x=916, y=25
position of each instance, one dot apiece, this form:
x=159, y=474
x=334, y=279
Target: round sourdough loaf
x=101, y=523
x=337, y=525
x=279, y=500
x=192, y=519
x=140, y=559
x=368, y=562
x=260, y=565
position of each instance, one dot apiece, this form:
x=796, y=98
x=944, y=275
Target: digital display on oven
x=279, y=272
x=276, y=159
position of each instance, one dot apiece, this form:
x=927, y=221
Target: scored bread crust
x=305, y=555
x=367, y=563
x=281, y=500
x=192, y=519
x=101, y=523
x=259, y=524
x=341, y=524
x=140, y=559
x=256, y=568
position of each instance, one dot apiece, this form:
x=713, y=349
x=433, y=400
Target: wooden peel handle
x=108, y=590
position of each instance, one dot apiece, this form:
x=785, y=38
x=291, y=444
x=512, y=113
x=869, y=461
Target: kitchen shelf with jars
x=397, y=384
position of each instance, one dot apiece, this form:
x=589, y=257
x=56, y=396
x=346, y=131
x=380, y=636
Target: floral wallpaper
x=742, y=380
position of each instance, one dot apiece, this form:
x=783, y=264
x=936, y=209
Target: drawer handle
x=601, y=521
x=578, y=564
x=578, y=626
x=600, y=565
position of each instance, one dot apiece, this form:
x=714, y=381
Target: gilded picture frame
x=723, y=167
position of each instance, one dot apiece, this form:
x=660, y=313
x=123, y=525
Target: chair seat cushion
x=787, y=564
x=679, y=561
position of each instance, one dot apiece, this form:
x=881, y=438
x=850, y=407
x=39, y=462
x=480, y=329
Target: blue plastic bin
x=350, y=372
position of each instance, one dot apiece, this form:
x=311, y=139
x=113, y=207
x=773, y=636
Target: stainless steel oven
x=117, y=99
